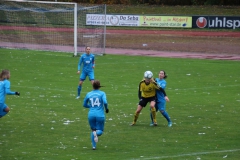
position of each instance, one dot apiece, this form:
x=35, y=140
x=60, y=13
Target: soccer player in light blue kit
x=96, y=101
x=88, y=61
x=4, y=90
x=160, y=100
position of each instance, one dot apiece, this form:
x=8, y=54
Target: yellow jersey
x=148, y=90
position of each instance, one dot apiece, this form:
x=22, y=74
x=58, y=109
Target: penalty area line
x=190, y=154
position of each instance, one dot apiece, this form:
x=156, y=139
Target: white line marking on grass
x=191, y=154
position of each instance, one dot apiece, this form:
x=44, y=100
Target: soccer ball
x=148, y=74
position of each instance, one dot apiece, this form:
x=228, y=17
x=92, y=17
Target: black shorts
x=143, y=101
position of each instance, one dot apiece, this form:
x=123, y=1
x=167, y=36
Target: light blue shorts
x=160, y=106
x=85, y=74
x=2, y=108
x=96, y=123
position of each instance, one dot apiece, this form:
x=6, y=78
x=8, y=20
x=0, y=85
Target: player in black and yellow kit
x=147, y=93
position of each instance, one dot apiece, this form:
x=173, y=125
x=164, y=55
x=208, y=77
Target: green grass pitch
x=47, y=123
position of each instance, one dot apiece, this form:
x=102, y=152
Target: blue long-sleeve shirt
x=4, y=90
x=96, y=101
x=88, y=61
x=160, y=96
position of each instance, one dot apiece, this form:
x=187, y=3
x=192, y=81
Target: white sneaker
x=169, y=124
x=95, y=136
x=77, y=97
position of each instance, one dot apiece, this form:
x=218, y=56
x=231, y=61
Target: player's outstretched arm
x=7, y=89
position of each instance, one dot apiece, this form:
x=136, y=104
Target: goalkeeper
x=4, y=90
x=146, y=93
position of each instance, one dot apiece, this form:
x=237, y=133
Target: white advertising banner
x=139, y=21
x=112, y=20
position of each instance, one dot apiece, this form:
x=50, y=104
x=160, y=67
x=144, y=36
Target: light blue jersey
x=88, y=61
x=160, y=96
x=161, y=102
x=4, y=90
x=96, y=101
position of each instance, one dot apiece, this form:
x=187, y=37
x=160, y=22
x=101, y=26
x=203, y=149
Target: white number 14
x=95, y=102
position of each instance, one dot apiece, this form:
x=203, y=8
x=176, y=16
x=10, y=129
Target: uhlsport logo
x=201, y=22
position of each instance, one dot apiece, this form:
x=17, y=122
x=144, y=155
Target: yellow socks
x=153, y=110
x=135, y=117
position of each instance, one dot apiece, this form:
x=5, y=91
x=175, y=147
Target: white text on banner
x=140, y=21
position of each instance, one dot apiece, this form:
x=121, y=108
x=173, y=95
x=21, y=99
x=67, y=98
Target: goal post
x=51, y=26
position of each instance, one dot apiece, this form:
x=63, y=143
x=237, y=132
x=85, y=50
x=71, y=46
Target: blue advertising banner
x=216, y=22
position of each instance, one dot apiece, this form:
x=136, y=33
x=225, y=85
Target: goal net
x=51, y=26
x=91, y=35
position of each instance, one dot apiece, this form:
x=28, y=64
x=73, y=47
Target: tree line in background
x=158, y=2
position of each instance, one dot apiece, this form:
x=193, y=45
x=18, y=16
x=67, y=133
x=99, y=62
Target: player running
x=96, y=101
x=4, y=90
x=88, y=61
